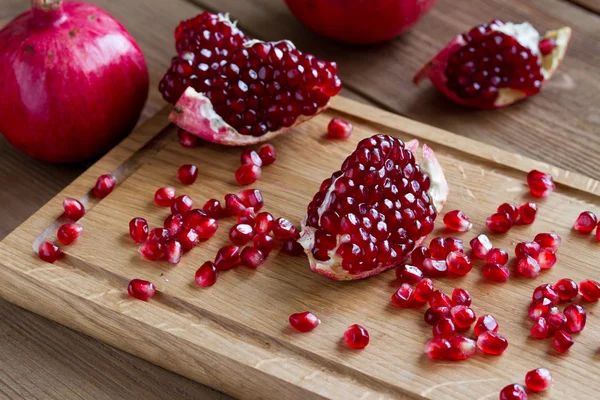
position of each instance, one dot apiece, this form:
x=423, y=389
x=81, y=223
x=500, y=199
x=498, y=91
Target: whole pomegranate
x=371, y=214
x=359, y=21
x=496, y=64
x=73, y=81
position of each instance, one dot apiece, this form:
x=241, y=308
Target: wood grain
x=234, y=336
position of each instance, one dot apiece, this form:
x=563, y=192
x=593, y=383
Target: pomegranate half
x=496, y=64
x=370, y=215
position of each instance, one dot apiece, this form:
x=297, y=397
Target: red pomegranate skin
x=73, y=82
x=359, y=21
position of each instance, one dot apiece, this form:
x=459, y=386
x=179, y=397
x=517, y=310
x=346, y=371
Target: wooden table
x=41, y=359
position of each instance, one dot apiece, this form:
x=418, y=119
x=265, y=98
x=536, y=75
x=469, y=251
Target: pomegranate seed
x=460, y=297
x=540, y=330
x=546, y=258
x=292, y=248
x=434, y=314
x=538, y=380
x=523, y=249
x=461, y=348
x=540, y=184
x=186, y=139
x=213, y=208
x=252, y=198
x=438, y=348
x=304, y=321
x=527, y=213
x=419, y=255
x=435, y=268
x=164, y=196
x=233, y=204
x=151, y=250
x=481, y=246
x=247, y=174
x=187, y=174
x=556, y=319
x=138, y=229
x=74, y=210
x=495, y=272
x=140, y=289
x=562, y=341
x=68, y=233
x=539, y=308
x=492, y=343
x=356, y=337
x=575, y=316
x=547, y=291
x=264, y=223
x=547, y=46
x=463, y=316
x=104, y=186
x=586, y=222
x=404, y=296
x=498, y=223
x=188, y=238
x=548, y=240
x=284, y=229
x=440, y=299
x=339, y=128
x=48, y=252
x=158, y=235
x=227, y=257
x=409, y=274
x=453, y=244
x=459, y=263
x=598, y=233
x=205, y=226
x=267, y=154
x=513, y=392
x=566, y=288
x=589, y=290
x=173, y=251
x=424, y=290
x=437, y=248
x=248, y=216
x=263, y=242
x=207, y=274
x=182, y=204
x=444, y=328
x=241, y=234
x=510, y=210
x=252, y=257
x=485, y=323
x=528, y=267
x=173, y=224
x=457, y=221
x=251, y=157
x=497, y=256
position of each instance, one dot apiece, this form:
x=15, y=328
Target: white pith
x=525, y=34
x=207, y=110
x=252, y=42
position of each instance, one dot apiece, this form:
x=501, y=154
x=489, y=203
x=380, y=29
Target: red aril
x=182, y=204
x=104, y=186
x=248, y=216
x=541, y=329
x=459, y=263
x=292, y=248
x=339, y=128
x=264, y=222
x=510, y=210
x=74, y=210
x=435, y=268
x=173, y=224
x=460, y=297
x=438, y=348
x=538, y=380
x=284, y=229
x=227, y=257
x=141, y=289
x=562, y=341
x=547, y=291
x=409, y=274
x=485, y=323
x=566, y=289
x=356, y=337
x=513, y=392
x=444, y=328
x=495, y=272
x=440, y=299
x=418, y=255
x=188, y=238
x=252, y=198
x=187, y=174
x=404, y=296
x=540, y=184
x=434, y=314
x=576, y=317
x=263, y=242
x=548, y=240
x=497, y=256
x=267, y=154
x=304, y=321
x=424, y=290
x=247, y=174
x=186, y=139
x=151, y=250
x=547, y=45
x=492, y=343
x=138, y=229
x=251, y=157
x=240, y=234
x=206, y=275
x=498, y=223
x=528, y=267
x=213, y=209
x=158, y=235
x=173, y=251
x=556, y=319
x=453, y=244
x=437, y=248
x=233, y=205
x=589, y=290
x=251, y=257
x=456, y=220
x=164, y=196
x=523, y=249
x=461, y=348
x=586, y=222
x=204, y=226
x=463, y=316
x=68, y=233
x=539, y=308
x=546, y=258
x=481, y=246
x=527, y=212
x=48, y=252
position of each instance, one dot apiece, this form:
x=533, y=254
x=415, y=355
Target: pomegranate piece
x=356, y=337
x=586, y=222
x=424, y=290
x=539, y=308
x=419, y=255
x=492, y=343
x=440, y=299
x=546, y=258
x=104, y=186
x=461, y=348
x=252, y=198
x=513, y=392
x=527, y=212
x=495, y=272
x=241, y=234
x=339, y=128
x=292, y=248
x=589, y=290
x=528, y=267
x=438, y=348
x=68, y=233
x=164, y=196
x=409, y=274
x=74, y=210
x=158, y=235
x=227, y=257
x=263, y=242
x=556, y=319
x=251, y=257
x=404, y=296
x=575, y=317
x=248, y=216
x=523, y=249
x=463, y=316
x=562, y=341
x=497, y=256
x=267, y=154
x=435, y=268
x=460, y=297
x=434, y=314
x=547, y=291
x=207, y=274
x=540, y=184
x=186, y=139
x=213, y=209
x=187, y=174
x=182, y=204
x=566, y=289
x=138, y=229
x=456, y=220
x=284, y=229
x=481, y=246
x=49, y=252
x=444, y=328
x=538, y=380
x=494, y=64
x=459, y=263
x=173, y=251
x=541, y=329
x=173, y=224
x=548, y=240
x=151, y=250
x=498, y=223
x=382, y=214
x=229, y=90
x=141, y=289
x=233, y=204
x=264, y=222
x=485, y=323
x=247, y=174
x=304, y=321
x=188, y=238
x=251, y=157
x=511, y=211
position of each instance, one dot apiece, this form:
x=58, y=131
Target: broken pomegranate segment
x=187, y=174
x=589, y=290
x=141, y=289
x=586, y=222
x=356, y=337
x=74, y=210
x=138, y=229
x=339, y=128
x=456, y=220
x=513, y=392
x=540, y=183
x=492, y=343
x=304, y=321
x=68, y=233
x=538, y=380
x=104, y=186
x=379, y=207
x=48, y=252
x=164, y=196
x=495, y=64
x=207, y=274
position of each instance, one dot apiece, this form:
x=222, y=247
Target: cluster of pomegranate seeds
x=104, y=186
x=534, y=256
x=252, y=163
x=305, y=321
x=456, y=220
x=540, y=183
x=74, y=210
x=141, y=289
x=339, y=128
x=49, y=252
x=187, y=174
x=357, y=337
x=586, y=222
x=164, y=196
x=186, y=139
x=508, y=215
x=513, y=392
x=443, y=257
x=68, y=233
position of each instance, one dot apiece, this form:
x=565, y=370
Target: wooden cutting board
x=235, y=336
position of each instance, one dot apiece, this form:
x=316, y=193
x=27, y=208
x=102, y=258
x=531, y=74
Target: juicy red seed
x=546, y=258
x=562, y=341
x=513, y=392
x=164, y=196
x=267, y=154
x=284, y=229
x=498, y=223
x=444, y=328
x=151, y=250
x=461, y=348
x=263, y=242
x=182, y=204
x=539, y=308
x=419, y=255
x=547, y=45
x=74, y=210
x=457, y=221
x=453, y=244
x=440, y=299
x=356, y=337
x=252, y=198
x=141, y=289
x=247, y=174
x=241, y=234
x=459, y=263
x=463, y=316
x=495, y=272
x=252, y=257
x=205, y=227
x=404, y=296
x=589, y=290
x=548, y=240
x=104, y=186
x=523, y=249
x=481, y=246
x=173, y=224
x=292, y=248
x=233, y=204
x=435, y=268
x=528, y=267
x=188, y=238
x=485, y=323
x=138, y=229
x=598, y=233
x=251, y=157
x=492, y=343
x=527, y=213
x=227, y=257
x=575, y=318
x=187, y=174
x=304, y=321
x=193, y=218
x=566, y=289
x=555, y=319
x=434, y=314
x=186, y=139
x=409, y=274
x=424, y=290
x=547, y=291
x=538, y=380
x=213, y=208
x=460, y=297
x=437, y=248
x=248, y=216
x=264, y=222
x=497, y=256
x=207, y=274
x=586, y=222
x=541, y=329
x=510, y=210
x=173, y=251
x=68, y=233
x=158, y=235
x=540, y=184
x=339, y=128
x=438, y=348
x=48, y=252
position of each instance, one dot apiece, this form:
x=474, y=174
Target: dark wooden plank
x=590, y=5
